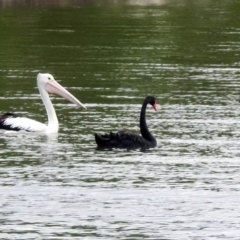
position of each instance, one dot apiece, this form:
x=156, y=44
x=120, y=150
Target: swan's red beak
x=154, y=106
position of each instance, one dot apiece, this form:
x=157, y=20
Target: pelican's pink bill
x=55, y=88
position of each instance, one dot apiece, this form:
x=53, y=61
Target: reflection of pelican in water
x=46, y=84
x=35, y=145
x=34, y=139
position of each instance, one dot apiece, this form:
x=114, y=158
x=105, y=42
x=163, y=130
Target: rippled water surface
x=110, y=55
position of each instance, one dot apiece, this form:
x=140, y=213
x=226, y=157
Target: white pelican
x=46, y=84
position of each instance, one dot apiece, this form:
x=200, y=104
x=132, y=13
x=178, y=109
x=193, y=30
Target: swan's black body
x=129, y=140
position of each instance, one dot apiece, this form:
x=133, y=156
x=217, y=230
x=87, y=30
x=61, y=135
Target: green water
x=110, y=55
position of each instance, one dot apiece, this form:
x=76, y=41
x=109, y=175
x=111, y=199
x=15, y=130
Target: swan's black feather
x=124, y=139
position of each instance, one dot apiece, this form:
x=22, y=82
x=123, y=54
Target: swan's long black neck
x=143, y=125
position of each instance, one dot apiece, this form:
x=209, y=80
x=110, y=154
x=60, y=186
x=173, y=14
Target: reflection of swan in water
x=129, y=140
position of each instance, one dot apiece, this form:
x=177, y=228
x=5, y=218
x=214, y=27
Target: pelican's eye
x=49, y=78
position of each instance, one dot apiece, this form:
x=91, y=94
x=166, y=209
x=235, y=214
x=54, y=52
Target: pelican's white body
x=46, y=83
x=26, y=124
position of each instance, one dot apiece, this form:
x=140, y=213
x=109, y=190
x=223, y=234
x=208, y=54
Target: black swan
x=123, y=139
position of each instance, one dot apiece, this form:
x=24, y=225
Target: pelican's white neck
x=52, y=126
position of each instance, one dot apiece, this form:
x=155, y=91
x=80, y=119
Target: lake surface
x=110, y=55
